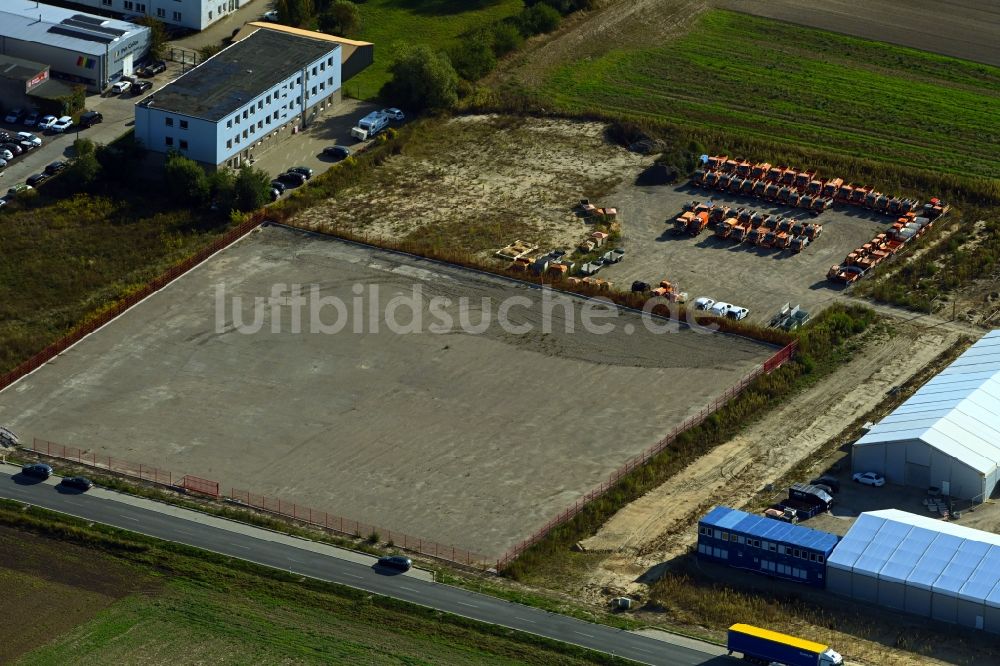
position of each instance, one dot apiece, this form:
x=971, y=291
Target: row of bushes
x=823, y=346
x=425, y=79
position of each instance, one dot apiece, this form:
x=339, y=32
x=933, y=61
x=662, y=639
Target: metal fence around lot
x=766, y=367
x=107, y=463
x=354, y=528
x=154, y=285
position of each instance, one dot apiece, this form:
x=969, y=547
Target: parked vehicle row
x=43, y=471
x=720, y=308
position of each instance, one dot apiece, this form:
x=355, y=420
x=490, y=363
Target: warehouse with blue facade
x=767, y=546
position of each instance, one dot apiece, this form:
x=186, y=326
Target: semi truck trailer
x=763, y=646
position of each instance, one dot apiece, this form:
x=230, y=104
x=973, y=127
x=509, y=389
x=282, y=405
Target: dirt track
x=653, y=529
x=968, y=29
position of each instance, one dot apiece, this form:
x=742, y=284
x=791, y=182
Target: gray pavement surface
x=317, y=561
x=466, y=439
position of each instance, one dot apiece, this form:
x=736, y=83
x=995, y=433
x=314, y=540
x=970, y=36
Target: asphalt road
x=256, y=546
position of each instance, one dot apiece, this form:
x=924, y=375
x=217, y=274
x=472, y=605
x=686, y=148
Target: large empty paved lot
x=470, y=439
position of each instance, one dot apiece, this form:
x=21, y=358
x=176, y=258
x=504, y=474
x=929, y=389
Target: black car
x=55, y=167
x=278, y=185
x=40, y=470
x=90, y=118
x=337, y=152
x=305, y=171
x=140, y=87
x=292, y=179
x=830, y=482
x=78, y=482
x=37, y=179
x=155, y=68
x=275, y=194
x=15, y=148
x=395, y=562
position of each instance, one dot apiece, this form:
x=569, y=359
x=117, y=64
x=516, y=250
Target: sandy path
x=653, y=528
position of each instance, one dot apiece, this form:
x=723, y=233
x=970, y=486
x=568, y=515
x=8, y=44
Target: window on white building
x=169, y=122
x=128, y=4
x=229, y=144
x=169, y=140
x=184, y=124
x=177, y=16
x=184, y=144
x=229, y=124
x=161, y=13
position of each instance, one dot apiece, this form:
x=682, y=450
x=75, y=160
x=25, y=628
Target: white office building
x=193, y=14
x=261, y=88
x=78, y=48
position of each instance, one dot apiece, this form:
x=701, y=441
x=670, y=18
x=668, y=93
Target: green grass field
x=61, y=259
x=789, y=84
x=127, y=599
x=437, y=23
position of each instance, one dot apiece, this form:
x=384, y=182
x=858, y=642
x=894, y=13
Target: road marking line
x=583, y=634
x=403, y=587
x=524, y=619
x=128, y=517
x=469, y=605
x=292, y=559
x=240, y=546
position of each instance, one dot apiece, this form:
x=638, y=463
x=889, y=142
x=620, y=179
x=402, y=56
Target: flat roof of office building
x=19, y=68
x=29, y=21
x=237, y=74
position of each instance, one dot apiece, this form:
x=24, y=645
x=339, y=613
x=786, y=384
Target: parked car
x=827, y=480
x=90, y=118
x=62, y=125
x=30, y=138
x=337, y=152
x=31, y=119
x=37, y=179
x=394, y=113
x=14, y=116
x=6, y=154
x=55, y=167
x=271, y=16
x=704, y=303
x=736, y=312
x=40, y=470
x=121, y=87
x=869, y=479
x=640, y=287
x=3, y=162
x=78, y=482
x=720, y=308
x=20, y=188
x=292, y=179
x=278, y=185
x=15, y=149
x=141, y=87
x=47, y=122
x=155, y=68
x=395, y=562
x=275, y=194
x=305, y=171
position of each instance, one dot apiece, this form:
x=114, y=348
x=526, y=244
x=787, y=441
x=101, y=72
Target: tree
x=297, y=13
x=157, y=36
x=422, y=79
x=83, y=147
x=84, y=171
x=341, y=18
x=186, y=182
x=222, y=189
x=252, y=189
x=506, y=38
x=539, y=19
x=473, y=58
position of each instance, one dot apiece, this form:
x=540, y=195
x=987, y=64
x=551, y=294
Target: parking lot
x=468, y=437
x=761, y=279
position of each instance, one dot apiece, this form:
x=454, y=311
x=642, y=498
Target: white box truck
x=370, y=125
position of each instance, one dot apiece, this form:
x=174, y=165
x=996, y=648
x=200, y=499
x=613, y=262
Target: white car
x=47, y=122
x=736, y=312
x=271, y=16
x=121, y=87
x=6, y=155
x=30, y=138
x=3, y=162
x=721, y=308
x=62, y=124
x=704, y=303
x=394, y=113
x=869, y=479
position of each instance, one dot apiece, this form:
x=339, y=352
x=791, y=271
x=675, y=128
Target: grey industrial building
x=947, y=435
x=28, y=85
x=78, y=48
x=920, y=565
